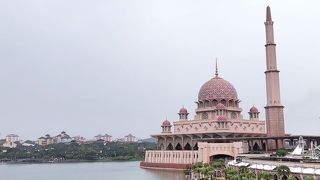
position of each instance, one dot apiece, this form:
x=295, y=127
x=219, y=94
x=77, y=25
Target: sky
x=120, y=67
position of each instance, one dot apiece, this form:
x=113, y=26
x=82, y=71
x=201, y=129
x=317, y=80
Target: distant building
x=63, y=137
x=28, y=143
x=11, y=141
x=46, y=140
x=79, y=139
x=129, y=138
x=105, y=138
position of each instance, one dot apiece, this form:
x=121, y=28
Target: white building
x=11, y=140
x=46, y=140
x=79, y=139
x=129, y=138
x=105, y=138
x=63, y=137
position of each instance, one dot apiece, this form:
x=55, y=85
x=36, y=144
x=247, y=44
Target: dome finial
x=217, y=74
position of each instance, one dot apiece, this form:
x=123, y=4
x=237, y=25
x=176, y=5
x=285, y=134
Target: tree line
x=77, y=152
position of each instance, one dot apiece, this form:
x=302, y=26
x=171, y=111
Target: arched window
x=236, y=104
x=204, y=115
x=170, y=147
x=187, y=147
x=231, y=103
x=161, y=147
x=233, y=115
x=195, y=147
x=214, y=102
x=224, y=102
x=178, y=147
x=206, y=104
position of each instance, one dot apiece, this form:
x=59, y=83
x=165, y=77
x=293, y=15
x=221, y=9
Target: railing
x=173, y=157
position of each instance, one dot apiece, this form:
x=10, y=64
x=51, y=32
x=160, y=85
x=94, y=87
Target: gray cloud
x=120, y=67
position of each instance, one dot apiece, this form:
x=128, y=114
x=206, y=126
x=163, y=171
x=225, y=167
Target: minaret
x=274, y=109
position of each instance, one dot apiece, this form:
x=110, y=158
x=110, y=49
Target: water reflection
x=165, y=174
x=85, y=171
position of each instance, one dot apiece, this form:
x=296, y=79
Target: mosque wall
x=206, y=150
x=235, y=126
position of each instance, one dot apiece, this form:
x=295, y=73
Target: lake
x=84, y=171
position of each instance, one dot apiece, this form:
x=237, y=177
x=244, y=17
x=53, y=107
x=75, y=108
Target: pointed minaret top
x=268, y=14
x=217, y=74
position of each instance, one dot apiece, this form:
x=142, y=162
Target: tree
x=217, y=164
x=197, y=168
x=265, y=176
x=243, y=169
x=282, y=152
x=309, y=178
x=234, y=177
x=291, y=178
x=282, y=171
x=230, y=173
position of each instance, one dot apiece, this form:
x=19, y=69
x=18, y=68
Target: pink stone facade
x=274, y=108
x=219, y=127
x=206, y=150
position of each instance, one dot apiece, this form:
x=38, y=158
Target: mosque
x=218, y=128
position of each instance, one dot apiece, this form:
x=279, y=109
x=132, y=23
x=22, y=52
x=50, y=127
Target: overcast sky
x=122, y=66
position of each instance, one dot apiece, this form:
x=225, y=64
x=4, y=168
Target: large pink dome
x=217, y=88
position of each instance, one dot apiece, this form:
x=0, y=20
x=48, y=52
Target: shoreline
x=65, y=162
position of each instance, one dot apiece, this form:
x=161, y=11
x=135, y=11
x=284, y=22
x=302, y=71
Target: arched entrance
x=170, y=147
x=224, y=157
x=187, y=147
x=195, y=147
x=178, y=147
x=161, y=146
x=264, y=146
x=256, y=147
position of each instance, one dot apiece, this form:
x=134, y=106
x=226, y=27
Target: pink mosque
x=218, y=128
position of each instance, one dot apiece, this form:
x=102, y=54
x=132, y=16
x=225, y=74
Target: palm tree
x=235, y=177
x=251, y=175
x=282, y=171
x=196, y=168
x=291, y=178
x=265, y=176
x=208, y=172
x=229, y=173
x=309, y=178
x=217, y=164
x=243, y=169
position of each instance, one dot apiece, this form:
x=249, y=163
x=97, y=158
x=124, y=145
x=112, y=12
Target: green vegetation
x=282, y=171
x=217, y=169
x=61, y=152
x=206, y=171
x=309, y=178
x=265, y=176
x=282, y=152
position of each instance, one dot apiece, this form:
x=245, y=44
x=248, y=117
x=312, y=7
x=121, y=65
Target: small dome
x=220, y=106
x=166, y=123
x=183, y=111
x=221, y=118
x=254, y=110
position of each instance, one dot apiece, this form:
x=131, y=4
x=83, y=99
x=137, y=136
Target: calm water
x=84, y=171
